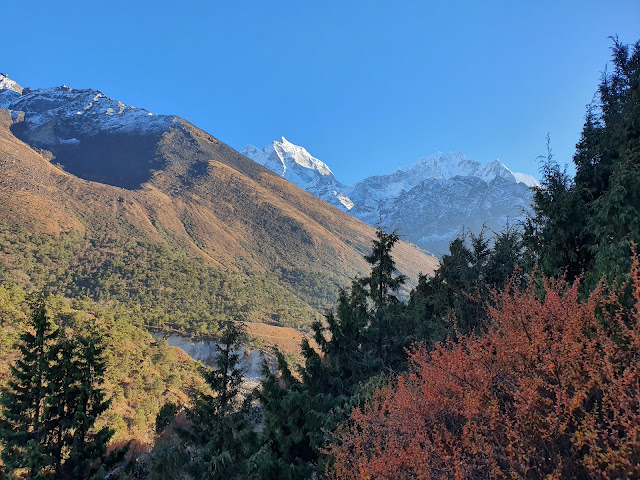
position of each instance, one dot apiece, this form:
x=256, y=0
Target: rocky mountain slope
x=430, y=200
x=76, y=160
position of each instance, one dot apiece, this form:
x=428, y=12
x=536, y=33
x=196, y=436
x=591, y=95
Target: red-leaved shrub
x=552, y=390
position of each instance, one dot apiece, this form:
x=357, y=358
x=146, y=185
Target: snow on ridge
x=300, y=156
x=448, y=165
x=7, y=84
x=285, y=155
x=65, y=104
x=295, y=164
x=528, y=180
x=344, y=200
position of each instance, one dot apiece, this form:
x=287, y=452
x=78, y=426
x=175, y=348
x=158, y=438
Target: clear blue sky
x=365, y=86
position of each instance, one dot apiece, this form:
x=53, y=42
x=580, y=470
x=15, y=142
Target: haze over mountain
x=79, y=160
x=430, y=200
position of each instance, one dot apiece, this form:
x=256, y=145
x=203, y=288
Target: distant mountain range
x=430, y=200
x=77, y=160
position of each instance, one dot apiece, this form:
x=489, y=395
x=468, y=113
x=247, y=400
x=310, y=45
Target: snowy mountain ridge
x=430, y=200
x=87, y=133
x=7, y=84
x=295, y=164
x=48, y=110
x=448, y=165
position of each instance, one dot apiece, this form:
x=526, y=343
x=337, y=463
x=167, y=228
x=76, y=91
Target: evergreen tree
x=51, y=404
x=556, y=235
x=166, y=415
x=589, y=223
x=23, y=432
x=615, y=210
x=221, y=431
x=75, y=403
x=365, y=335
x=381, y=282
x=453, y=300
x=382, y=285
x=293, y=420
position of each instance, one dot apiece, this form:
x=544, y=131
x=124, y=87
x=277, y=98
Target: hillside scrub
x=141, y=375
x=550, y=391
x=162, y=285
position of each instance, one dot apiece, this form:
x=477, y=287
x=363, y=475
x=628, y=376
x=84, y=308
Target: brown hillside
x=206, y=198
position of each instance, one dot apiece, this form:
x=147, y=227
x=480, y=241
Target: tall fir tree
x=23, y=431
x=365, y=335
x=51, y=403
x=75, y=402
x=382, y=285
x=588, y=224
x=221, y=432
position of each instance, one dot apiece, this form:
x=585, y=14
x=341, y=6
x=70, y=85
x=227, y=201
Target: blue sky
x=366, y=86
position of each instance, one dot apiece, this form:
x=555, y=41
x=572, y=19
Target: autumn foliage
x=552, y=390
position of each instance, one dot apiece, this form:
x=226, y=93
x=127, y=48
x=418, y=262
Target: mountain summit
x=7, y=84
x=89, y=134
x=430, y=200
x=295, y=164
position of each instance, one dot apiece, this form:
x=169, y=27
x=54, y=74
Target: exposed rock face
x=207, y=352
x=433, y=213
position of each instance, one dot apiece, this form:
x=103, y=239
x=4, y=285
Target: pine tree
x=588, y=224
x=221, y=431
x=452, y=301
x=556, y=235
x=292, y=422
x=365, y=335
x=51, y=404
x=382, y=281
x=615, y=209
x=23, y=432
x=83, y=401
x=382, y=284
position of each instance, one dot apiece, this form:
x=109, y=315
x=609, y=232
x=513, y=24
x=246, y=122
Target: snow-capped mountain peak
x=287, y=151
x=430, y=199
x=63, y=106
x=297, y=165
x=7, y=84
x=449, y=165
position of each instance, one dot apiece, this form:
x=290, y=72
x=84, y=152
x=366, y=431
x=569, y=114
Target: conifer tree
x=75, y=403
x=382, y=285
x=221, y=431
x=357, y=341
x=589, y=223
x=382, y=282
x=452, y=299
x=23, y=432
x=51, y=404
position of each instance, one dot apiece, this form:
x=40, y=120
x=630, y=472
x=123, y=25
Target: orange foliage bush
x=551, y=391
